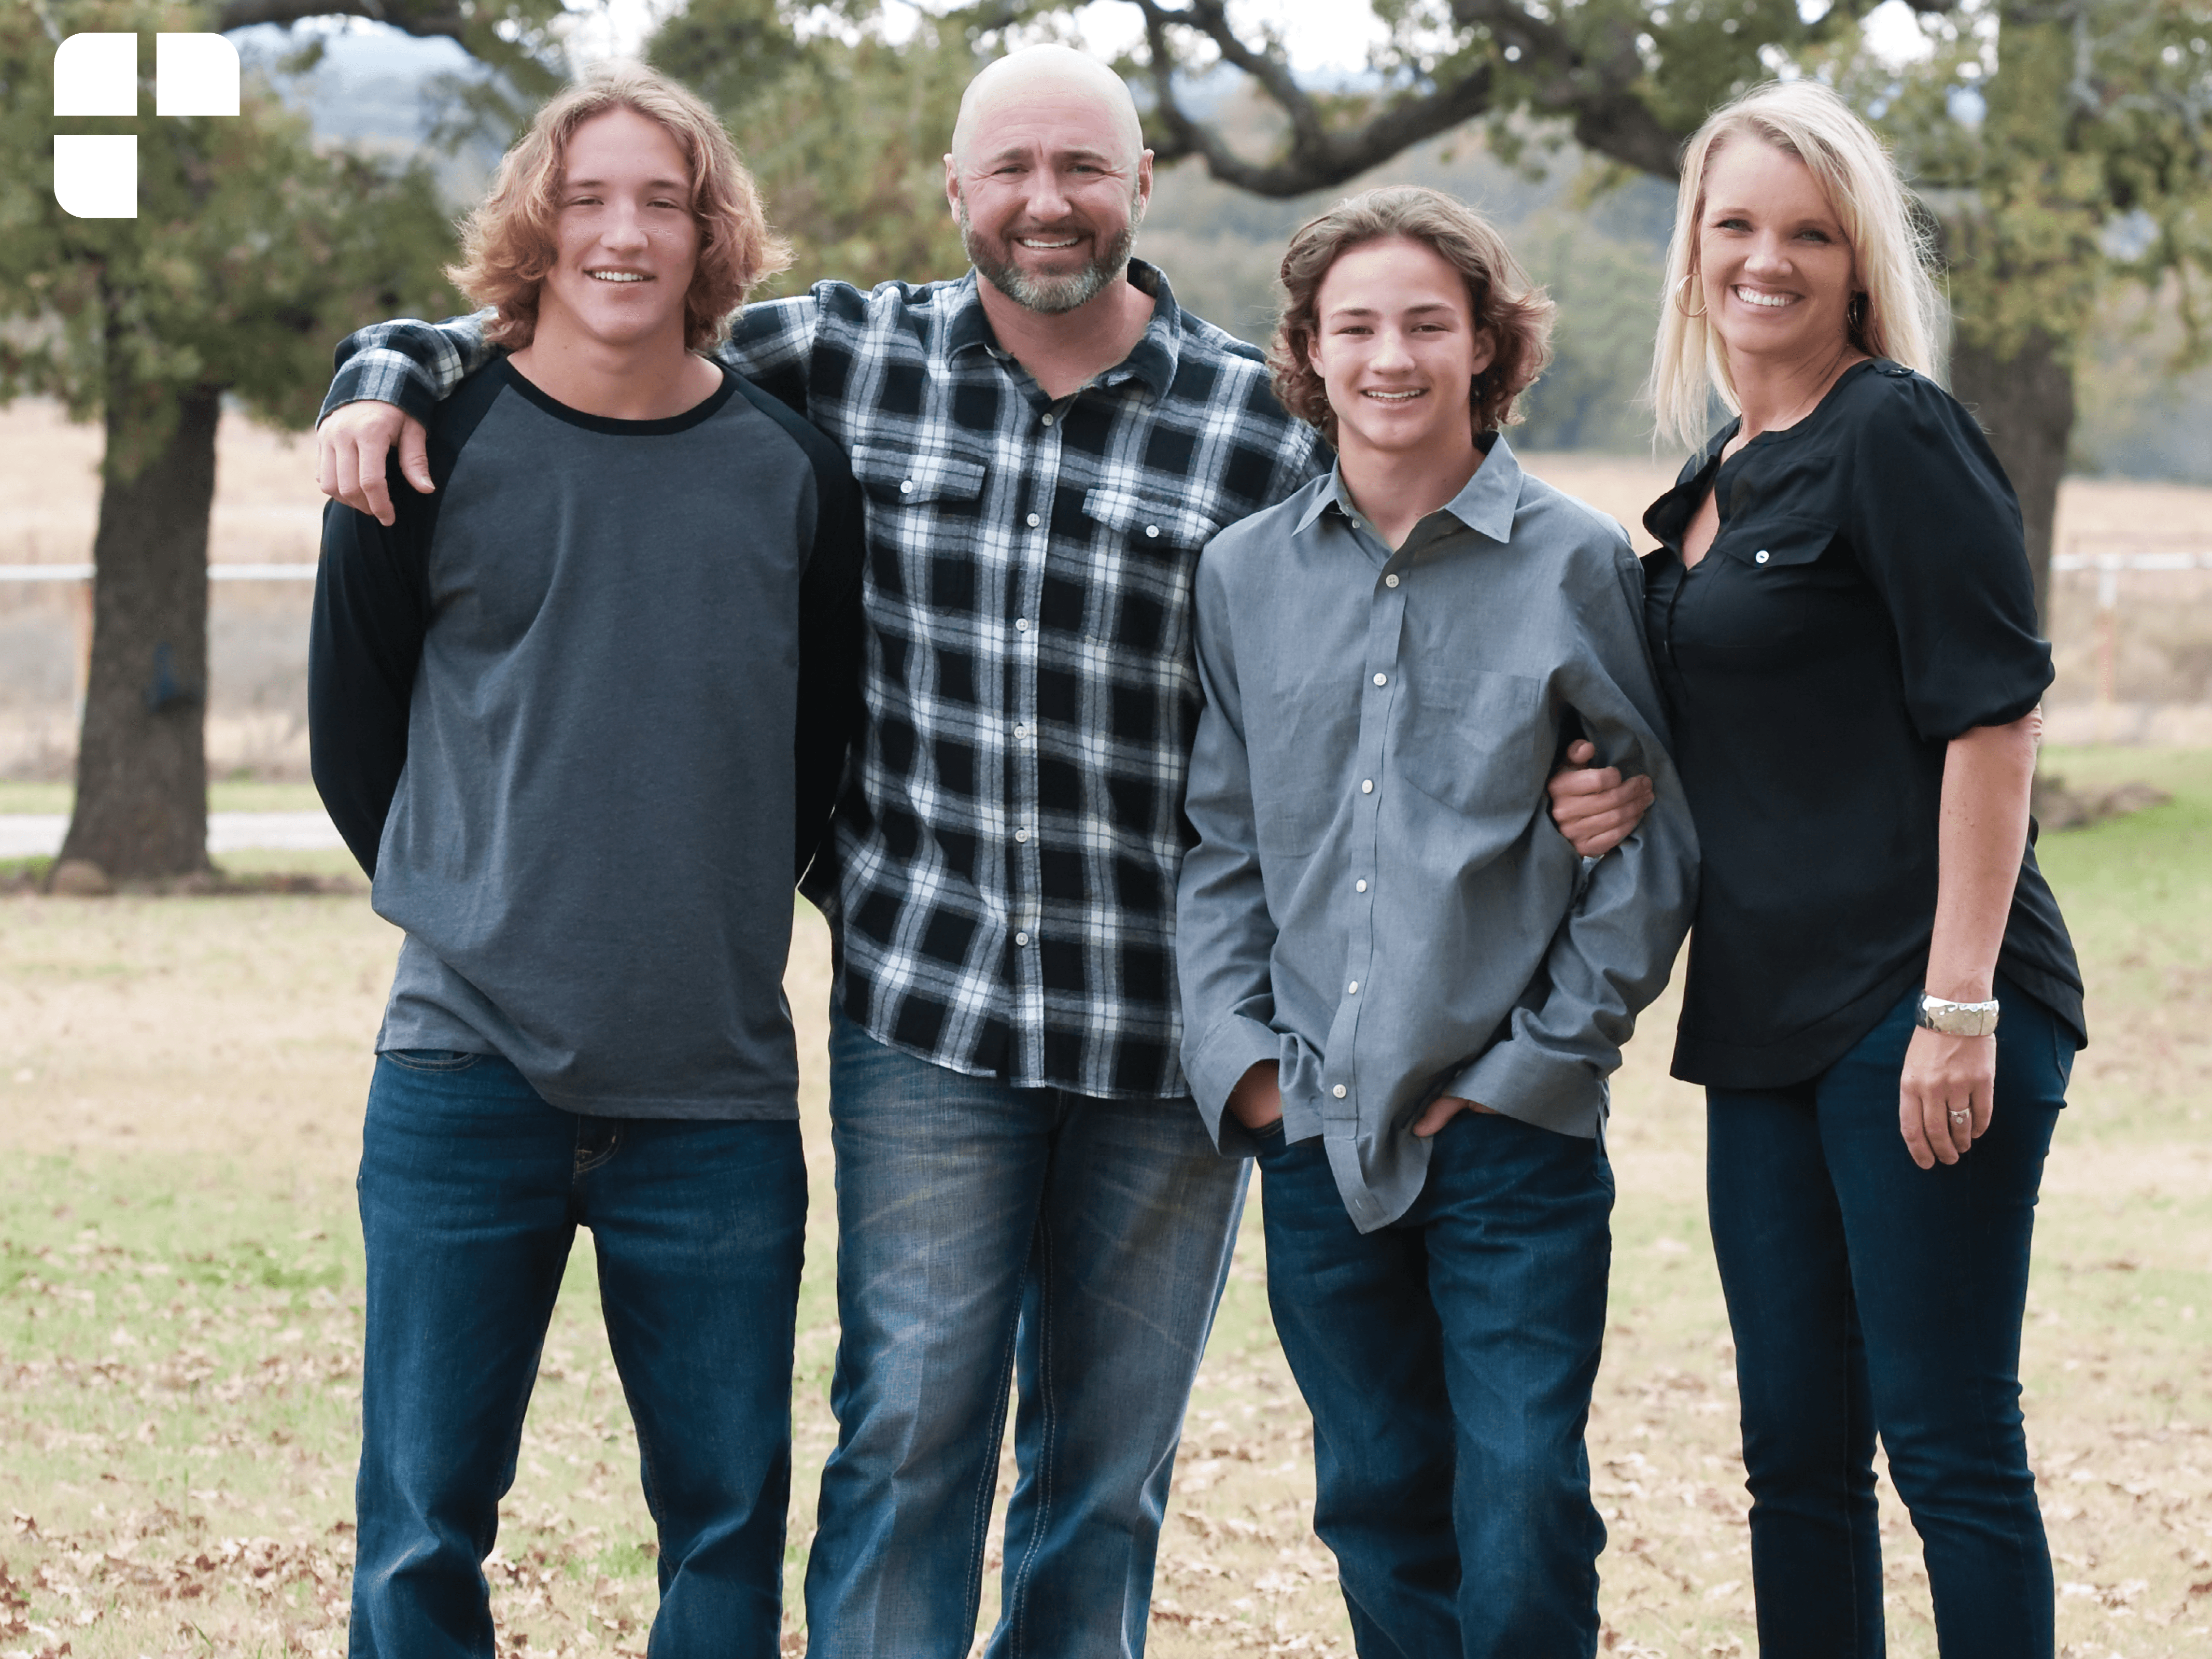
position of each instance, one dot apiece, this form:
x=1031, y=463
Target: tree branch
x=1596, y=95
x=425, y=17
x=1318, y=155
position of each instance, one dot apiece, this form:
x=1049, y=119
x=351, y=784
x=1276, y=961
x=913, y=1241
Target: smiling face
x=1049, y=183
x=1776, y=269
x=626, y=242
x=1396, y=347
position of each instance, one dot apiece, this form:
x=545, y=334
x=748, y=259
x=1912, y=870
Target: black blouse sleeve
x=1936, y=529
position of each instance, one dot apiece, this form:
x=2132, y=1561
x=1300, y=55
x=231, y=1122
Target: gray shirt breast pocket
x=1476, y=742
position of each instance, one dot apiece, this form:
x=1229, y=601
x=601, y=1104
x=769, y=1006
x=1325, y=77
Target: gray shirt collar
x=1485, y=504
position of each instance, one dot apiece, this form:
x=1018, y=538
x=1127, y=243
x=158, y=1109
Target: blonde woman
x=1881, y=1002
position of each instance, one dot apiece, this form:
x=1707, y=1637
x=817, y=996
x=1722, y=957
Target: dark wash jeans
x=1448, y=1360
x=1867, y=1296
x=471, y=1190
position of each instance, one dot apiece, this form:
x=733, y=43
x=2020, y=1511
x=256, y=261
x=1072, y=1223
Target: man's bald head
x=1037, y=74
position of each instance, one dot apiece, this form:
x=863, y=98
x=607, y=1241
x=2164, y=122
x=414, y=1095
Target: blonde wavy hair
x=1504, y=302
x=1903, y=314
x=508, y=242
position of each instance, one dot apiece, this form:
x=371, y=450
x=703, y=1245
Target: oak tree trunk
x=142, y=757
x=2026, y=403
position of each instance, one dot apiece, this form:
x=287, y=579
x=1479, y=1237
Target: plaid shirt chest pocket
x=1144, y=554
x=909, y=490
x=925, y=525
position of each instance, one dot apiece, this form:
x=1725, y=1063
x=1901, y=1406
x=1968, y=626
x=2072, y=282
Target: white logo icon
x=96, y=174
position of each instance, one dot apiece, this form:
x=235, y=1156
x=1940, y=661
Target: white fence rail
x=295, y=572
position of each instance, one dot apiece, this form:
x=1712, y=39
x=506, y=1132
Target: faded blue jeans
x=471, y=1190
x=1448, y=1358
x=983, y=1230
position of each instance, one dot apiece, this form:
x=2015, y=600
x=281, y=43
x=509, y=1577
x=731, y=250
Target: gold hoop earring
x=1855, y=314
x=1688, y=277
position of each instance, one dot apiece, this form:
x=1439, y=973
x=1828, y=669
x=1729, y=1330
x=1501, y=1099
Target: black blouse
x=1866, y=600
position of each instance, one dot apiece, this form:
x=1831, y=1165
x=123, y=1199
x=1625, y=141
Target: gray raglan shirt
x=558, y=710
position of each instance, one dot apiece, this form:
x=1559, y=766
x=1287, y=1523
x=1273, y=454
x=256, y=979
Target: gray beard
x=1049, y=295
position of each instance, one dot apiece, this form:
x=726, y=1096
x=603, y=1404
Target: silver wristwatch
x=1958, y=1018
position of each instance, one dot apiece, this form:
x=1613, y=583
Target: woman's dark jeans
x=1870, y=1295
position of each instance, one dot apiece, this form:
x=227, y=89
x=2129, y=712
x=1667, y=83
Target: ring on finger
x=1960, y=1116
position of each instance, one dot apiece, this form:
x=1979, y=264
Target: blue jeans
x=1448, y=1359
x=471, y=1190
x=984, y=1228
x=1867, y=1296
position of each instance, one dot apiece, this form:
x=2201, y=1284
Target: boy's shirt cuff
x=1213, y=1067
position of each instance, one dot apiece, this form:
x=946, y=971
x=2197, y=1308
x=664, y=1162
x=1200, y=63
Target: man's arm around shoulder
x=392, y=375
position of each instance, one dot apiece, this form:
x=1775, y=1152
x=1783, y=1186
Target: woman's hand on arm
x=1595, y=808
x=350, y=447
x=1946, y=1098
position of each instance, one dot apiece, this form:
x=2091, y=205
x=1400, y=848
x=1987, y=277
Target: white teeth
x=617, y=275
x=1394, y=397
x=1030, y=241
x=1770, y=301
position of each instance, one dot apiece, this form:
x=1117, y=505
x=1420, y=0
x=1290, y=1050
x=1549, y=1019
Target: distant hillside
x=375, y=90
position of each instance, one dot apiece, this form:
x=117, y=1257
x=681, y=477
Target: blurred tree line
x=2059, y=144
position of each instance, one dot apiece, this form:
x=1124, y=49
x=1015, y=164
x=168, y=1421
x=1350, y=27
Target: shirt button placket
x=1032, y=542
x=1386, y=619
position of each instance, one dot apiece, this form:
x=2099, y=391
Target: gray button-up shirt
x=1379, y=900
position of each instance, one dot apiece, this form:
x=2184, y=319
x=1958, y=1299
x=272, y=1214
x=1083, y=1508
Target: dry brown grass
x=180, y=1083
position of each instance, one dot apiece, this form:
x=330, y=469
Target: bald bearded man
x=1022, y=1183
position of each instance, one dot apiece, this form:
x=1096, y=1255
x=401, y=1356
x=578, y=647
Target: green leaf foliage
x=2064, y=147
x=844, y=128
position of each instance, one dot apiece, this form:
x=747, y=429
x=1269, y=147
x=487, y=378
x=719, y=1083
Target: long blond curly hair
x=508, y=242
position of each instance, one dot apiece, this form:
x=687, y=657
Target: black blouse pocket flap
x=910, y=476
x=1785, y=540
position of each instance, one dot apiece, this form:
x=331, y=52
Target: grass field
x=180, y=1085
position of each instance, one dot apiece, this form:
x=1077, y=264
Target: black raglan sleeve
x=830, y=707
x=371, y=612
x=364, y=644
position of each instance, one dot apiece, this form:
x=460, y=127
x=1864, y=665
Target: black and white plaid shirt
x=1003, y=867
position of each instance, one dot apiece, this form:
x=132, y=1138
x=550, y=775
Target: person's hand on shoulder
x=1595, y=808
x=350, y=447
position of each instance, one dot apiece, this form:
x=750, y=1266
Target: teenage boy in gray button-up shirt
x=1400, y=985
